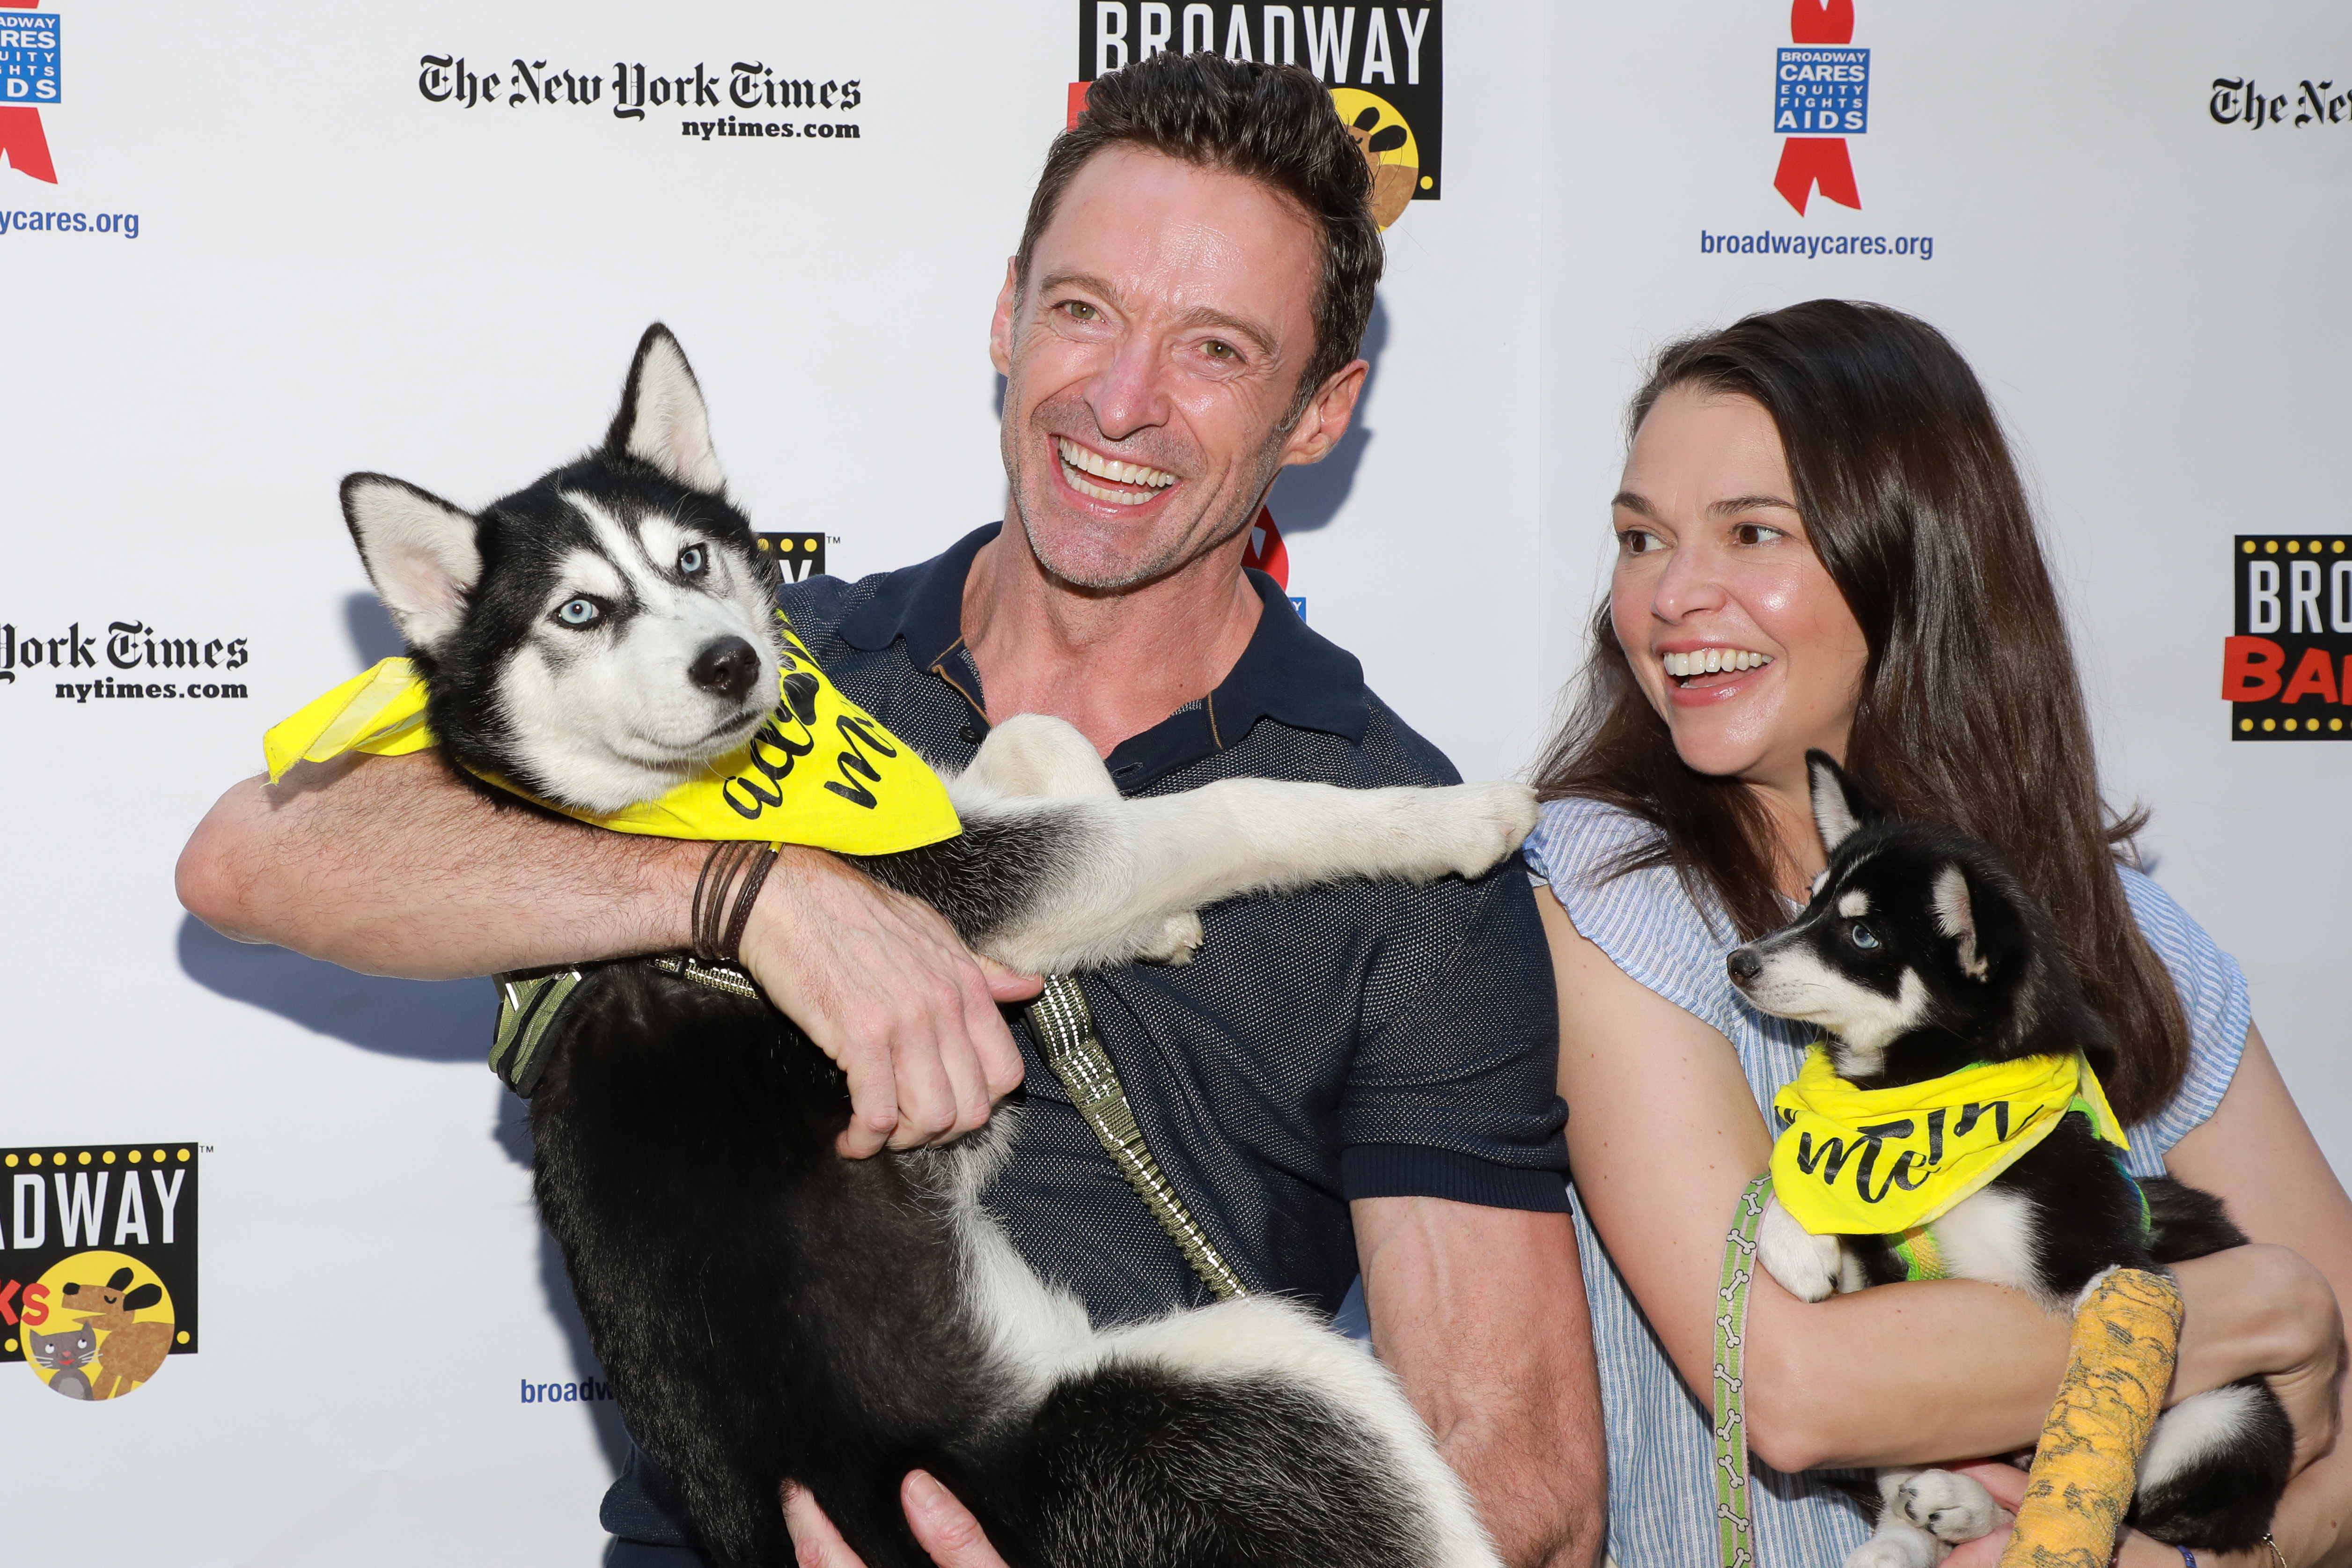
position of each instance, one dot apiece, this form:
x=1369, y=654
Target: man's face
x=1150, y=365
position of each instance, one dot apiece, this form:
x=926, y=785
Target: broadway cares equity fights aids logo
x=1820, y=96
x=2287, y=672
x=29, y=81
x=98, y=1263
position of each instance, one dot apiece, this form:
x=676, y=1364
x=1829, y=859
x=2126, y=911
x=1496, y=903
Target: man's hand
x=884, y=988
x=943, y=1526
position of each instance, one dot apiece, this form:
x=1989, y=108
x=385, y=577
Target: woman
x=1823, y=538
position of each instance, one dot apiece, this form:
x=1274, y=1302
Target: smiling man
x=1358, y=1079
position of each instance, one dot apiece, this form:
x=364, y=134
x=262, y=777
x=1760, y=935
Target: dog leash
x=1064, y=1026
x=1735, y=1533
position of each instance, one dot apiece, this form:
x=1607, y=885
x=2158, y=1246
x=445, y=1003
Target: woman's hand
x=943, y=1526
x=2264, y=1311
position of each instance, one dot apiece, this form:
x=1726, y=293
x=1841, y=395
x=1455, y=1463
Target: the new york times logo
x=2241, y=101
x=745, y=85
x=2287, y=672
x=124, y=646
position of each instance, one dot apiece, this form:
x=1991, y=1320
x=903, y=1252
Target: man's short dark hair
x=1274, y=124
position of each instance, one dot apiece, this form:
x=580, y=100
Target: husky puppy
x=597, y=637
x=1918, y=956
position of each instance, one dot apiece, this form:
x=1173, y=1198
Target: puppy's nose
x=725, y=669
x=1744, y=964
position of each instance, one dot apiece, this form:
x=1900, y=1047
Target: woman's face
x=1736, y=632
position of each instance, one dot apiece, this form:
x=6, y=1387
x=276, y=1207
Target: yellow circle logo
x=1384, y=139
x=98, y=1324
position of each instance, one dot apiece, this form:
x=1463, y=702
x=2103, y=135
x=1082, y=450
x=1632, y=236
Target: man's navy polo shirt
x=1356, y=1040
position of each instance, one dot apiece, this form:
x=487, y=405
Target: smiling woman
x=1822, y=542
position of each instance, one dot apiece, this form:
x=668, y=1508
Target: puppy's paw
x=1898, y=1547
x=1806, y=1264
x=1177, y=941
x=1947, y=1506
x=1480, y=823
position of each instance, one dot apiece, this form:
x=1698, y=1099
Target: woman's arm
x=1665, y=1133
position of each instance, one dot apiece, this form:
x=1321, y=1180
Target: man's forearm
x=389, y=866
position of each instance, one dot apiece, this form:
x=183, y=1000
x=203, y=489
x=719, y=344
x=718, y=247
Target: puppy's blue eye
x=578, y=613
x=1862, y=936
x=691, y=561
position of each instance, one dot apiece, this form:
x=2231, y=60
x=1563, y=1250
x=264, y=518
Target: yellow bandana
x=1876, y=1161
x=875, y=796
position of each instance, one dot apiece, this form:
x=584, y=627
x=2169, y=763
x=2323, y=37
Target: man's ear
x=1001, y=325
x=662, y=419
x=1840, y=804
x=1327, y=417
x=419, y=552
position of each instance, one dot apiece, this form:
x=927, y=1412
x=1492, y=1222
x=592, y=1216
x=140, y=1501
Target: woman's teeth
x=1077, y=462
x=1714, y=661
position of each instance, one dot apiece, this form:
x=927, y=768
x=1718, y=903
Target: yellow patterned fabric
x=1876, y=1161
x=821, y=771
x=2126, y=1333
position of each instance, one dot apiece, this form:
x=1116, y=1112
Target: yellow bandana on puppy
x=821, y=771
x=1876, y=1161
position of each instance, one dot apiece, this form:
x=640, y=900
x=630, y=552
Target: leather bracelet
x=714, y=895
x=763, y=860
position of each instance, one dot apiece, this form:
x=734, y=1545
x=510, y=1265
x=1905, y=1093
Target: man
x=1358, y=1077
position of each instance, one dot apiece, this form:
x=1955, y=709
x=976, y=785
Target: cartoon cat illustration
x=64, y=1354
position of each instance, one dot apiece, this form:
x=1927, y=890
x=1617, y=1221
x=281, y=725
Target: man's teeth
x=1077, y=459
x=1715, y=661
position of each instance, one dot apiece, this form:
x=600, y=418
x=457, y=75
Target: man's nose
x=1127, y=394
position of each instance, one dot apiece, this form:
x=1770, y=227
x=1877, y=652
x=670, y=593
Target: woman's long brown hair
x=1970, y=713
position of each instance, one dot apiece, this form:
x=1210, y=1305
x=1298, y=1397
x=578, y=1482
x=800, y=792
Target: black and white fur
x=768, y=1310
x=1918, y=956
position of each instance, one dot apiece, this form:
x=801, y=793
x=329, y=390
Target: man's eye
x=1862, y=936
x=1220, y=351
x=1755, y=533
x=579, y=612
x=1079, y=311
x=690, y=561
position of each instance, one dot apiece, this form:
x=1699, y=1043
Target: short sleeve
x=1645, y=920
x=2213, y=994
x=1455, y=1094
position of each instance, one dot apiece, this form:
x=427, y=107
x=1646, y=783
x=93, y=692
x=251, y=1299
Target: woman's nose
x=1692, y=581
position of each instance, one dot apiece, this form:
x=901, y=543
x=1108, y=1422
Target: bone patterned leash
x=1065, y=1032
x=1736, y=1534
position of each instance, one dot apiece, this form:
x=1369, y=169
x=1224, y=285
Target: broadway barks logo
x=797, y=556
x=1383, y=64
x=29, y=82
x=2287, y=672
x=1820, y=96
x=98, y=1282
x=121, y=659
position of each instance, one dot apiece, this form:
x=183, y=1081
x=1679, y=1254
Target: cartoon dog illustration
x=132, y=1349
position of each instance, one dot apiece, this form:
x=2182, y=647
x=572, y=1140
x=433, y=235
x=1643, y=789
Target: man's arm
x=1481, y=1312
x=389, y=866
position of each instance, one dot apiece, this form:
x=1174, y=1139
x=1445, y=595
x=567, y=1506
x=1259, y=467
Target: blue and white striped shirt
x=1661, y=1491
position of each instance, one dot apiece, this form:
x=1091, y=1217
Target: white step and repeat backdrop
x=247, y=249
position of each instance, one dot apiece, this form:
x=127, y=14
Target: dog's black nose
x=1744, y=964
x=725, y=669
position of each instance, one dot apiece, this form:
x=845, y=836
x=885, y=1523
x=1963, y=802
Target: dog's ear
x=419, y=552
x=146, y=1296
x=662, y=419
x=119, y=1279
x=1956, y=917
x=1840, y=804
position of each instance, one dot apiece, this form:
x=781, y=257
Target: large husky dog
x=1919, y=955
x=597, y=637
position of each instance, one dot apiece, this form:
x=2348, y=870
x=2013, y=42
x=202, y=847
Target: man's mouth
x=1108, y=479
x=1709, y=667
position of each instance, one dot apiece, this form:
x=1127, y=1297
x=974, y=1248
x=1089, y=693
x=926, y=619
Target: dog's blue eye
x=1862, y=936
x=690, y=559
x=578, y=613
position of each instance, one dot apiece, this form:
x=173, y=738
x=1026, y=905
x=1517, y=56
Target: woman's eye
x=578, y=611
x=1862, y=936
x=1639, y=541
x=1755, y=533
x=690, y=561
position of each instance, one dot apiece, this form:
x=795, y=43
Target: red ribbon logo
x=1807, y=161
x=22, y=140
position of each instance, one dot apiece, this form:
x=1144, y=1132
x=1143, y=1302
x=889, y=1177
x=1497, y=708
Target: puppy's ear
x=146, y=1296
x=419, y=552
x=1956, y=917
x=662, y=419
x=1840, y=804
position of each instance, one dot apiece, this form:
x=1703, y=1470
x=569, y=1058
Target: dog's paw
x=1947, y=1506
x=1480, y=823
x=1806, y=1264
x=1177, y=941
x=1896, y=1548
